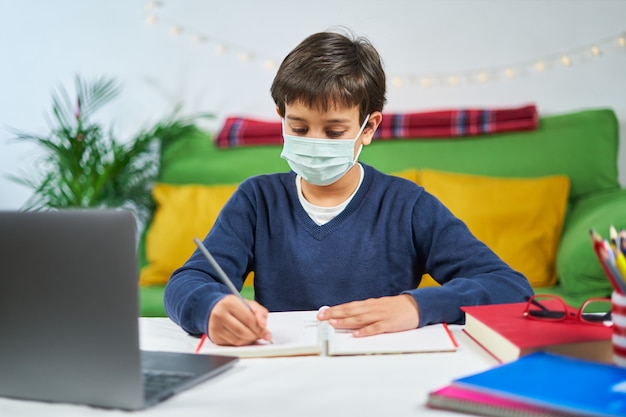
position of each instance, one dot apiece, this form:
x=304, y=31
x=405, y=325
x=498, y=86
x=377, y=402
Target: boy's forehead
x=333, y=112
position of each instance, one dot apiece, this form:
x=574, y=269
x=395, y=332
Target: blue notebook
x=557, y=382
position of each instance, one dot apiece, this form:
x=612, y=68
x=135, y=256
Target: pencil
x=613, y=235
x=620, y=263
x=602, y=253
x=202, y=340
x=220, y=272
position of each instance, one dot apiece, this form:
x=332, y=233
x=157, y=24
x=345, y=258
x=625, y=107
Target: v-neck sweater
x=389, y=235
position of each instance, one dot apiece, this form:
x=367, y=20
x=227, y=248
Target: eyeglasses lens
x=596, y=311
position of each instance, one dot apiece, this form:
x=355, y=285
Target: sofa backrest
x=582, y=145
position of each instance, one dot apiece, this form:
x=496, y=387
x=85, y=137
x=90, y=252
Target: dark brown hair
x=331, y=69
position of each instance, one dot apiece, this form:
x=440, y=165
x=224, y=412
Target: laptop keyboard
x=156, y=382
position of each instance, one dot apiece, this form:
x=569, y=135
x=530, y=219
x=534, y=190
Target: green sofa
x=582, y=146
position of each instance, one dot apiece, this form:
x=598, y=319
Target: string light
x=151, y=5
x=482, y=77
x=452, y=79
x=198, y=39
x=540, y=66
x=269, y=64
x=595, y=51
x=175, y=30
x=220, y=49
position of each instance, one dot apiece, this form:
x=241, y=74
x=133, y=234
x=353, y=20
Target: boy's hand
x=231, y=323
x=374, y=316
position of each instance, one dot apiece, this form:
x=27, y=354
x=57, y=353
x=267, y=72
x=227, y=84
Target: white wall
x=44, y=44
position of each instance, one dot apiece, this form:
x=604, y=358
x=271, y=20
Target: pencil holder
x=618, y=306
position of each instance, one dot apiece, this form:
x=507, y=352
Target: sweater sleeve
x=469, y=272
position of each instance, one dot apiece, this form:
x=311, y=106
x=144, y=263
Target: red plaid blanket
x=241, y=131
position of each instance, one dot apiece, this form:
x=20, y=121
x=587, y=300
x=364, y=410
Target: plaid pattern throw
x=454, y=123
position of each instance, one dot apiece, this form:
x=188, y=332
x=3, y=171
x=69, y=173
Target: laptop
x=69, y=328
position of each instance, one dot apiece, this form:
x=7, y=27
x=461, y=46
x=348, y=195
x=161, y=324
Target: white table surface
x=380, y=385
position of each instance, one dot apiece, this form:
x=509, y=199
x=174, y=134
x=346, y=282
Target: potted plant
x=85, y=165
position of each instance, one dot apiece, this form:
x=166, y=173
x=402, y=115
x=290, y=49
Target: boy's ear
x=278, y=112
x=374, y=121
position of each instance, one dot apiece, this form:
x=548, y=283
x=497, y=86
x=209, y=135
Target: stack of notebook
x=540, y=384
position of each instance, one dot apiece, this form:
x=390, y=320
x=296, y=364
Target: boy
x=334, y=231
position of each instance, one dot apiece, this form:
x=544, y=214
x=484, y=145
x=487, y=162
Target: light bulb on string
x=566, y=60
x=482, y=77
x=595, y=50
x=269, y=64
x=509, y=73
x=198, y=39
x=540, y=66
x=175, y=30
x=426, y=82
x=220, y=49
x=151, y=19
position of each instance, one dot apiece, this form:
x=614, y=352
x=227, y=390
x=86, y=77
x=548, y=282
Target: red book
x=506, y=334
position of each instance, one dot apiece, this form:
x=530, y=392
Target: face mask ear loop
x=367, y=119
x=356, y=157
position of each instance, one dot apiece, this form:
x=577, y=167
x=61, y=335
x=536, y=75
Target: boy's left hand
x=374, y=315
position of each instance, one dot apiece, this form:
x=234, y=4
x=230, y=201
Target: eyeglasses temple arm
x=537, y=303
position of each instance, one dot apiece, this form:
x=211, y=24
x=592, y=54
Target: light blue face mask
x=320, y=161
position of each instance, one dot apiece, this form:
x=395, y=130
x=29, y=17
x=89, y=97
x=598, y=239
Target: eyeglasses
x=550, y=307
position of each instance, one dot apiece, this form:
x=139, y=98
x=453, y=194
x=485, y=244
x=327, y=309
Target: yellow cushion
x=409, y=174
x=415, y=176
x=520, y=219
x=182, y=213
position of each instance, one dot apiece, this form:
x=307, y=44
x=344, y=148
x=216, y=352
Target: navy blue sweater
x=389, y=235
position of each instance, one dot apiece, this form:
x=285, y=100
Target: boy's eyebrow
x=337, y=120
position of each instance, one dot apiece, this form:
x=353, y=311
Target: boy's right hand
x=232, y=323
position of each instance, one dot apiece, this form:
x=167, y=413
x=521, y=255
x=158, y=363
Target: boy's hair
x=330, y=69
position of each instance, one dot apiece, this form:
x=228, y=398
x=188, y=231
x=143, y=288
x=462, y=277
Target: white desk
x=382, y=385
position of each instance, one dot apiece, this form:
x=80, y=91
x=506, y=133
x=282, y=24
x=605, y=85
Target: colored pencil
x=603, y=254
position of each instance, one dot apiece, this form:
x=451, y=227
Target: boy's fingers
x=233, y=323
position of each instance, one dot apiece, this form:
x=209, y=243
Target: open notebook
x=300, y=333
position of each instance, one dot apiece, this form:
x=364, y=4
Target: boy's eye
x=334, y=134
x=299, y=131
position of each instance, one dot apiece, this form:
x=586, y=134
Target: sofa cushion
x=520, y=219
x=580, y=273
x=183, y=212
x=245, y=131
